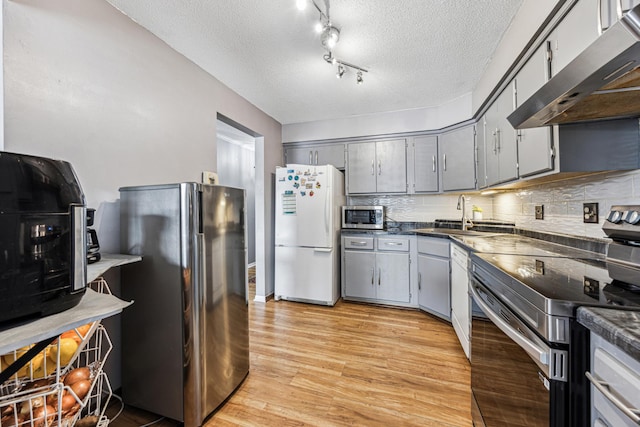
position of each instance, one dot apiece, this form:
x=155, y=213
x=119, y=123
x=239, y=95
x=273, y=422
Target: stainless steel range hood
x=603, y=82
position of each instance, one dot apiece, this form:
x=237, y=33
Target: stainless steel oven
x=517, y=378
x=528, y=352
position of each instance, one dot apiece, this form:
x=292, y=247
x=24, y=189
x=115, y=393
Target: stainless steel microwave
x=366, y=217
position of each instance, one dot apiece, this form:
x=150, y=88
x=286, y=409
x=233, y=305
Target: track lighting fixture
x=329, y=37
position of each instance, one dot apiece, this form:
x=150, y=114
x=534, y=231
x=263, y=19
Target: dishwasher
x=460, y=295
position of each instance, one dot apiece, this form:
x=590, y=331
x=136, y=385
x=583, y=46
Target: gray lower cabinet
x=376, y=269
x=377, y=167
x=360, y=274
x=458, y=161
x=434, y=290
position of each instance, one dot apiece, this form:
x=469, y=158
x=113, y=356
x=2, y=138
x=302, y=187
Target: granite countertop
x=619, y=327
x=500, y=233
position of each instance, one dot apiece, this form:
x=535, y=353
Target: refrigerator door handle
x=326, y=215
x=322, y=249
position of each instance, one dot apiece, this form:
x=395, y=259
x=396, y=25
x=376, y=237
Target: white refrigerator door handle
x=322, y=249
x=327, y=214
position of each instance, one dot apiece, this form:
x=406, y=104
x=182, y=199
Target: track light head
x=359, y=78
x=330, y=36
x=341, y=71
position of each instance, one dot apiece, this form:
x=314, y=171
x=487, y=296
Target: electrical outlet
x=209, y=178
x=539, y=211
x=591, y=287
x=590, y=213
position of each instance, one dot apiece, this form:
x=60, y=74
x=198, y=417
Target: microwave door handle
x=531, y=348
x=603, y=387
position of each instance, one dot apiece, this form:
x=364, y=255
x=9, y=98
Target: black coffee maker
x=93, y=247
x=43, y=237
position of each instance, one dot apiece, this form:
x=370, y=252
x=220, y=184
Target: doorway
x=236, y=152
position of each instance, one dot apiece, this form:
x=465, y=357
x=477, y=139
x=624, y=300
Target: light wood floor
x=350, y=365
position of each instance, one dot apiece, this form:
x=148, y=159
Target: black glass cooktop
x=557, y=285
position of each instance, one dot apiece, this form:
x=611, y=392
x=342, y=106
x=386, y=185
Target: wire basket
x=62, y=383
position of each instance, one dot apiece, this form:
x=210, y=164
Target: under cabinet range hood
x=603, y=82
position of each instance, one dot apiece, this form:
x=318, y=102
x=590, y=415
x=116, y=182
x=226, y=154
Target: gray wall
x=86, y=84
x=236, y=169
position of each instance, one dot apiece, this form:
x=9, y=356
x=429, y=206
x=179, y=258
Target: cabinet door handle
x=379, y=274
x=601, y=27
x=379, y=167
x=603, y=387
x=316, y=158
x=498, y=140
x=621, y=11
x=310, y=157
x=433, y=163
x=444, y=159
x=599, y=6
x=419, y=281
x=354, y=243
x=495, y=144
x=372, y=167
x=373, y=273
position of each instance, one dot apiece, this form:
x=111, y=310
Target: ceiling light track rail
x=329, y=37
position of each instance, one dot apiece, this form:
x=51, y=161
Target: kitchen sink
x=455, y=231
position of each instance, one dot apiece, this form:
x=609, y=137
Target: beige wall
x=86, y=84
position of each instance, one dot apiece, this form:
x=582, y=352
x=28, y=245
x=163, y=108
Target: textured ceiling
x=420, y=53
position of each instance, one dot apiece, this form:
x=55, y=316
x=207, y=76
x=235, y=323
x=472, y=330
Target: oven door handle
x=531, y=348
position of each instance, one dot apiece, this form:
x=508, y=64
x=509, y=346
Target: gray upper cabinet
x=576, y=31
x=535, y=150
x=425, y=164
x=481, y=160
x=316, y=155
x=457, y=157
x=500, y=146
x=377, y=167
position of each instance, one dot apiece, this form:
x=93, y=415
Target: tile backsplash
x=562, y=202
x=426, y=208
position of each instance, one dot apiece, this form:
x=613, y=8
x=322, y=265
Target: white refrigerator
x=307, y=224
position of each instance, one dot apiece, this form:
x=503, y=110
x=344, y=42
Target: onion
x=81, y=388
x=43, y=416
x=76, y=375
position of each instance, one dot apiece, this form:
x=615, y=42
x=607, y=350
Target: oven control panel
x=623, y=222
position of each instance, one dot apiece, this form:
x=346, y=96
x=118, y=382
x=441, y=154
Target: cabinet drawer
x=433, y=246
x=357, y=242
x=393, y=244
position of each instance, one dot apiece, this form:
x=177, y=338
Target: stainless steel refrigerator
x=185, y=340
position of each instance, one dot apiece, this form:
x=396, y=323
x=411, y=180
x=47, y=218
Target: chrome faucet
x=466, y=224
